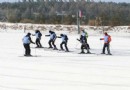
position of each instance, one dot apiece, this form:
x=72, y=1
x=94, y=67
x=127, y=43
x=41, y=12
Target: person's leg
x=40, y=45
x=108, y=49
x=37, y=42
x=25, y=46
x=50, y=41
x=61, y=46
x=66, y=46
x=82, y=48
x=103, y=51
x=87, y=48
x=53, y=43
x=28, y=50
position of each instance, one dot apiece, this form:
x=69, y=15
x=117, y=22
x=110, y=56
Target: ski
x=64, y=51
x=30, y=56
x=105, y=54
x=44, y=48
x=39, y=47
x=109, y=54
x=86, y=53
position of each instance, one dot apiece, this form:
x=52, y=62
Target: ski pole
x=100, y=44
x=35, y=48
x=76, y=46
x=35, y=52
x=23, y=51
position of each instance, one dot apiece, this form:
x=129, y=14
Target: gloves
x=101, y=39
x=78, y=39
x=47, y=35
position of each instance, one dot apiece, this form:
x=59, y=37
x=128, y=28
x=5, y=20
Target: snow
x=54, y=70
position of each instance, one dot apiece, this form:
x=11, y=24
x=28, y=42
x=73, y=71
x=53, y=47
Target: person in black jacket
x=26, y=43
x=85, y=34
x=38, y=38
x=83, y=44
x=64, y=42
x=52, y=40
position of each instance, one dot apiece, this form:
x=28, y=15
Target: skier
x=85, y=34
x=107, y=40
x=83, y=41
x=26, y=43
x=38, y=38
x=64, y=41
x=52, y=40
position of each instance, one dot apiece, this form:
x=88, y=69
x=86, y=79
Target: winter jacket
x=83, y=39
x=107, y=39
x=27, y=40
x=64, y=38
x=52, y=36
x=38, y=35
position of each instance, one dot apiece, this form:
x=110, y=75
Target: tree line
x=65, y=12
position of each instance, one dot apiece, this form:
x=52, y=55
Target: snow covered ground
x=54, y=70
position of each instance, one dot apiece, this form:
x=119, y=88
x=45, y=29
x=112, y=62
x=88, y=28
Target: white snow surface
x=55, y=70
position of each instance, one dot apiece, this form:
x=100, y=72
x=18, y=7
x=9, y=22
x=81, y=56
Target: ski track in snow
x=57, y=70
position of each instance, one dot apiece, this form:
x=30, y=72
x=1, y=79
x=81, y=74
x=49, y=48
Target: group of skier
x=83, y=40
x=27, y=41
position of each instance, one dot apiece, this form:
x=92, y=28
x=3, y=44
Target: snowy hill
x=55, y=70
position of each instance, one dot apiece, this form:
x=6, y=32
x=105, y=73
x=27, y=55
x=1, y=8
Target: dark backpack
x=39, y=35
x=66, y=38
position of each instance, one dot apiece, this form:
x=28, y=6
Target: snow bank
x=92, y=30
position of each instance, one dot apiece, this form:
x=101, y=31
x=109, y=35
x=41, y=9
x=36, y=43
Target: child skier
x=64, y=41
x=107, y=40
x=38, y=38
x=85, y=34
x=26, y=43
x=83, y=41
x=52, y=40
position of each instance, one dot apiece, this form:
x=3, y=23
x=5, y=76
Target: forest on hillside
x=65, y=12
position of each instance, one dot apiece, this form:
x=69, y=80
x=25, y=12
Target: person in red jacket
x=107, y=40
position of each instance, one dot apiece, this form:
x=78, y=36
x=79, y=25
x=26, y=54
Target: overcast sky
x=127, y=1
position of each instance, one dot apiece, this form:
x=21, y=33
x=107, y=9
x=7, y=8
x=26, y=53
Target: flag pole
x=78, y=22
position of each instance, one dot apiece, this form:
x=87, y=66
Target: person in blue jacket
x=26, y=43
x=51, y=42
x=64, y=42
x=38, y=38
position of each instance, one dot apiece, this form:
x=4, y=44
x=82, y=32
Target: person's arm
x=59, y=37
x=101, y=38
x=47, y=35
x=33, y=34
x=31, y=40
x=78, y=39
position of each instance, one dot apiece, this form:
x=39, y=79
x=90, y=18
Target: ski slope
x=54, y=70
